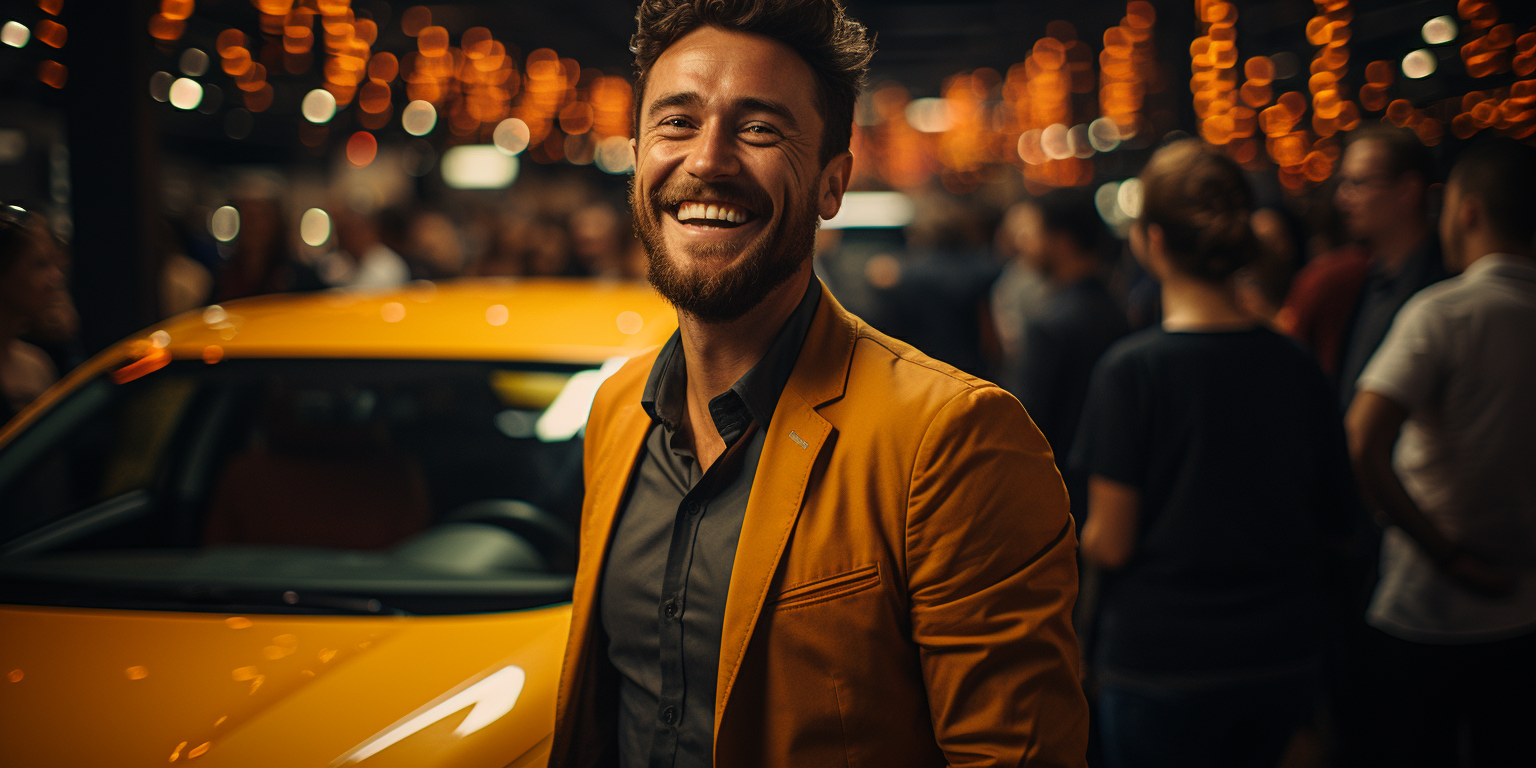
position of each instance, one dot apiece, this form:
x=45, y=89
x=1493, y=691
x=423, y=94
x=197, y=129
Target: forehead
x=724, y=66
x=1366, y=156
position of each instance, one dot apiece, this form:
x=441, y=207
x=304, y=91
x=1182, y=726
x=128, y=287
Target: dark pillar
x=114, y=168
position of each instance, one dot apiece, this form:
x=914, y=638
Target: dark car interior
x=407, y=486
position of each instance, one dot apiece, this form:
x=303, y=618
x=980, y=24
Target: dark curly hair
x=836, y=47
x=1200, y=199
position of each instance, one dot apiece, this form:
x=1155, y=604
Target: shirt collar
x=753, y=397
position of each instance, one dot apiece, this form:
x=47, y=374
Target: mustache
x=680, y=190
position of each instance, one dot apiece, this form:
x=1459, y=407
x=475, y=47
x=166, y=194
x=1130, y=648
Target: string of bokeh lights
x=477, y=95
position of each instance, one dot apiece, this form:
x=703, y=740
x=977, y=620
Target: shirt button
x=669, y=608
x=669, y=715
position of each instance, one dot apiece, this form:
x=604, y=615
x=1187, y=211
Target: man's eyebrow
x=752, y=104
x=746, y=104
x=672, y=100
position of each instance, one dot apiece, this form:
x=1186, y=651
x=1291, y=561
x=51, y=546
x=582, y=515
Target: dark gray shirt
x=663, y=594
x=1383, y=294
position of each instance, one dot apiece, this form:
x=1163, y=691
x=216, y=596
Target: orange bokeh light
x=415, y=19
x=383, y=67
x=1259, y=70
x=51, y=33
x=52, y=7
x=229, y=38
x=179, y=10
x=432, y=41
x=373, y=97
x=362, y=147
x=52, y=73
x=163, y=28
x=260, y=99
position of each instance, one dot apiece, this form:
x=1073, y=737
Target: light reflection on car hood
x=100, y=687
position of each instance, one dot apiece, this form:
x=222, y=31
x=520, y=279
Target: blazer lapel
x=624, y=436
x=791, y=446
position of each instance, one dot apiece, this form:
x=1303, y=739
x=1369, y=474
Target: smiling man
x=803, y=543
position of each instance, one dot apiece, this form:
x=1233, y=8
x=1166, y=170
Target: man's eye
x=759, y=130
x=674, y=122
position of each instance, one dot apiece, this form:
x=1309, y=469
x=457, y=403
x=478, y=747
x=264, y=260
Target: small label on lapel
x=800, y=441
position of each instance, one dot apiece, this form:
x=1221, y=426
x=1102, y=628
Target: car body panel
x=85, y=686
x=106, y=687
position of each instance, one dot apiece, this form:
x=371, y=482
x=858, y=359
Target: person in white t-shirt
x=361, y=259
x=1443, y=435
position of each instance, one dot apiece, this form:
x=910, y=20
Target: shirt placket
x=674, y=595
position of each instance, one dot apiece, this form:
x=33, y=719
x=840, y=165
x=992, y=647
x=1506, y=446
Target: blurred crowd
x=1298, y=454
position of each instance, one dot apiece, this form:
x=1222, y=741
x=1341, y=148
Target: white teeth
x=686, y=211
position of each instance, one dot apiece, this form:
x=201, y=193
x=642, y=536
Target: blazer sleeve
x=992, y=575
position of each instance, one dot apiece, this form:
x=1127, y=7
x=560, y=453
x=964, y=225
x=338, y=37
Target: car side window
x=103, y=441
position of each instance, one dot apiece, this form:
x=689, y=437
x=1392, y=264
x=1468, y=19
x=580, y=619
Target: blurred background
x=188, y=151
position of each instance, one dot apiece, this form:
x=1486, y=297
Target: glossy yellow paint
x=548, y=320
x=135, y=688
x=99, y=687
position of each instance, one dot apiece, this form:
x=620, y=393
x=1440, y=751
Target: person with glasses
x=1347, y=305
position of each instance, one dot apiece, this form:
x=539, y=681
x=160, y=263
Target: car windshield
x=365, y=486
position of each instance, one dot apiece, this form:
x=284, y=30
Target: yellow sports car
x=323, y=529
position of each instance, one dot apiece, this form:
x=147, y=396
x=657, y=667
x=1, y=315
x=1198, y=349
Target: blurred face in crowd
x=1029, y=235
x=32, y=279
x=1373, y=201
x=728, y=184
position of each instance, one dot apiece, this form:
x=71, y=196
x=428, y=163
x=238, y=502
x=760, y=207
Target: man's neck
x=717, y=354
x=1487, y=246
x=1392, y=248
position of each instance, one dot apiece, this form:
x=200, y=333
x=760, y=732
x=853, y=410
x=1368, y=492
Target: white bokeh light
x=418, y=118
x=1128, y=198
x=160, y=86
x=319, y=106
x=1104, y=134
x=315, y=227
x=1419, y=64
x=193, y=62
x=1439, y=30
x=224, y=224
x=186, y=93
x=511, y=136
x=15, y=34
x=478, y=166
x=1055, y=142
x=613, y=155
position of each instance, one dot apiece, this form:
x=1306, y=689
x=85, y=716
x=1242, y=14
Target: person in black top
x=1061, y=233
x=1217, y=468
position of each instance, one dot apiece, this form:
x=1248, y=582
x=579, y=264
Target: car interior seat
x=321, y=473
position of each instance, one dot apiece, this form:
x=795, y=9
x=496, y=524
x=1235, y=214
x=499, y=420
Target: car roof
x=548, y=320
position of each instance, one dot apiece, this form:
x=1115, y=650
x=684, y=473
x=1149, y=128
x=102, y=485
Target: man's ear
x=833, y=184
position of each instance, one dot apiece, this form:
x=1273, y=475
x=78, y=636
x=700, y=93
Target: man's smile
x=714, y=220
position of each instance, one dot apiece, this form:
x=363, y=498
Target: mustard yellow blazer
x=903, y=587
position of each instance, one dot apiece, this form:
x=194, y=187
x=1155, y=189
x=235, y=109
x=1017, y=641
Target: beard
x=727, y=294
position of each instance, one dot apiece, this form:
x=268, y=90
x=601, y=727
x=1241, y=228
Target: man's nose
x=714, y=155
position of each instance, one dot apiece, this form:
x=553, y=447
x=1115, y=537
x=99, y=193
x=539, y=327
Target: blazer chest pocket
x=829, y=588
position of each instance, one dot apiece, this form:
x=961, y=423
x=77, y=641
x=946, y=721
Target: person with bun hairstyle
x=1217, y=469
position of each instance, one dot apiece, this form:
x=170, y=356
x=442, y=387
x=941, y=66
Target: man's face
x=727, y=183
x=1372, y=200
